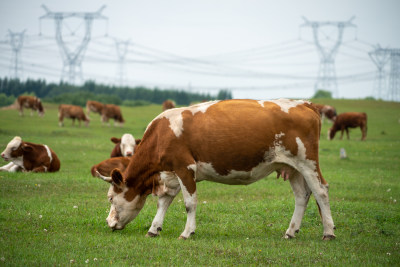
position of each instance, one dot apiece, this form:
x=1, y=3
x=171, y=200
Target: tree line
x=66, y=93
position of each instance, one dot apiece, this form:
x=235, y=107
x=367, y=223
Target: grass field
x=59, y=218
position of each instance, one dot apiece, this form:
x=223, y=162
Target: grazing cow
x=25, y=156
x=106, y=166
x=31, y=102
x=326, y=111
x=168, y=104
x=94, y=106
x=348, y=120
x=234, y=142
x=72, y=112
x=111, y=111
x=124, y=146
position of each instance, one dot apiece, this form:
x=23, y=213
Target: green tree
x=322, y=94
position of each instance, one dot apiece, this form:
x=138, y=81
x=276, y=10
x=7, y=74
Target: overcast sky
x=255, y=48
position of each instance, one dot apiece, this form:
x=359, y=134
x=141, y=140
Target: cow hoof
x=298, y=230
x=182, y=238
x=150, y=234
x=287, y=236
x=328, y=237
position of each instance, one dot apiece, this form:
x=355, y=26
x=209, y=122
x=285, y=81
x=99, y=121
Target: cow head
x=331, y=133
x=15, y=149
x=126, y=202
x=40, y=107
x=127, y=144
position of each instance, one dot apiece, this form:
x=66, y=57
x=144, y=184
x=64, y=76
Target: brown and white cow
x=94, y=106
x=106, y=166
x=326, y=111
x=31, y=102
x=347, y=120
x=124, y=146
x=234, y=142
x=26, y=156
x=168, y=104
x=73, y=112
x=111, y=111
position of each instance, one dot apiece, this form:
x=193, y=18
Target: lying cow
x=105, y=167
x=183, y=146
x=348, y=120
x=124, y=146
x=111, y=111
x=168, y=104
x=31, y=102
x=94, y=106
x=25, y=156
x=72, y=112
x=326, y=111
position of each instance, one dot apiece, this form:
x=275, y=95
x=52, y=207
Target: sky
x=257, y=49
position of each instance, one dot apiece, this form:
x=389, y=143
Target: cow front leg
x=10, y=167
x=162, y=206
x=188, y=187
x=302, y=195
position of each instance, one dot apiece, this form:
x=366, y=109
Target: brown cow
x=72, y=112
x=231, y=142
x=31, y=102
x=326, y=111
x=94, y=106
x=25, y=156
x=124, y=146
x=168, y=104
x=348, y=120
x=106, y=166
x=111, y=111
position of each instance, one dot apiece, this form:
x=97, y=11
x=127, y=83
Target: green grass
x=59, y=218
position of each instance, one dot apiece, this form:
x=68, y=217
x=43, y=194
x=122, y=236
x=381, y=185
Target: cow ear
x=27, y=148
x=115, y=140
x=117, y=177
x=137, y=141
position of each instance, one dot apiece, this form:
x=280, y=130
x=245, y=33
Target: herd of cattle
x=182, y=146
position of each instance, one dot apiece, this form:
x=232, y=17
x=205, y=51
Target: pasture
x=59, y=218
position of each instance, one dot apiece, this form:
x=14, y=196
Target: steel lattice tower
x=326, y=78
x=394, y=76
x=16, y=42
x=72, y=60
x=122, y=51
x=380, y=57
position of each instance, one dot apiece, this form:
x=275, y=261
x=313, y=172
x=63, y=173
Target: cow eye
x=110, y=199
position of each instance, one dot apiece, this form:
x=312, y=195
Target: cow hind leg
x=320, y=191
x=302, y=195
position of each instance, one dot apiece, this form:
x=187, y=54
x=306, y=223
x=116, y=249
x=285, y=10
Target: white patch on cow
x=261, y=102
x=11, y=146
x=169, y=184
x=10, y=167
x=48, y=153
x=175, y=116
x=286, y=104
x=127, y=145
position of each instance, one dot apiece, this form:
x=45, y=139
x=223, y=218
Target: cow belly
x=205, y=171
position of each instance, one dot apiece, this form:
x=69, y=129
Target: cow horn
x=104, y=178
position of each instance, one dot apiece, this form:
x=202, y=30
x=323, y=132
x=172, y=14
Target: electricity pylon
x=16, y=42
x=380, y=57
x=72, y=60
x=327, y=73
x=122, y=51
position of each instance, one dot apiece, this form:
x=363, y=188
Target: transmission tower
x=122, y=51
x=16, y=42
x=380, y=57
x=72, y=60
x=327, y=73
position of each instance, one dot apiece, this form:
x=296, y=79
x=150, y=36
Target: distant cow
x=31, y=102
x=236, y=142
x=25, y=156
x=94, y=106
x=168, y=104
x=73, y=112
x=106, y=166
x=111, y=111
x=124, y=146
x=326, y=111
x=348, y=120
